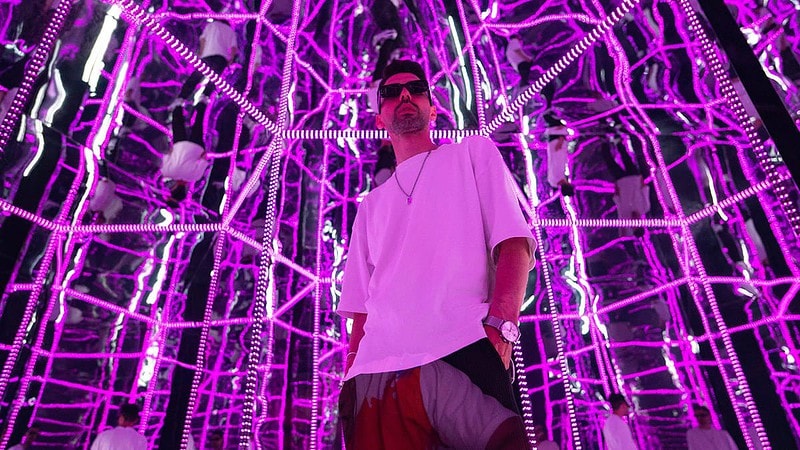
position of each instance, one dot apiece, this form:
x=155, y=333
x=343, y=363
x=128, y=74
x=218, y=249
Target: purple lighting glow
x=216, y=312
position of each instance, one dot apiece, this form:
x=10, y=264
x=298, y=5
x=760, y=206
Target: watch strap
x=494, y=322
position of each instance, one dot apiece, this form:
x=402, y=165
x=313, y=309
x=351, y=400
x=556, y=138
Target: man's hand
x=503, y=348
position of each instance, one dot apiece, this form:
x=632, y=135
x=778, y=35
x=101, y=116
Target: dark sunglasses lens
x=417, y=87
x=394, y=90
x=391, y=90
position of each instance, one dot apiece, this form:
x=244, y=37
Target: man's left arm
x=513, y=263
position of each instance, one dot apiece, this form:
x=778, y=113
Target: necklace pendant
x=409, y=199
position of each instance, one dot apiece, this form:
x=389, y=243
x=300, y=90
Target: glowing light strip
x=43, y=50
x=780, y=189
x=670, y=195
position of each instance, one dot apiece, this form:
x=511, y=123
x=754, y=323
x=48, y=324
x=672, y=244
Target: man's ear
x=379, y=122
x=432, y=115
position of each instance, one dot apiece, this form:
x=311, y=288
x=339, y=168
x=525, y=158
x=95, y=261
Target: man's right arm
x=355, y=338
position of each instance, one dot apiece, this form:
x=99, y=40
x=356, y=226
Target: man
x=542, y=443
x=216, y=440
x=705, y=436
x=124, y=436
x=436, y=272
x=218, y=48
x=616, y=431
x=28, y=439
x=631, y=194
x=519, y=59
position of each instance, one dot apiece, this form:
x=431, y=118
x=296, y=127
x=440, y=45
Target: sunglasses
x=394, y=90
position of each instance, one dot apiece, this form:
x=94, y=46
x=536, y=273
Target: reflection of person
x=186, y=163
x=124, y=436
x=423, y=368
x=631, y=194
x=616, y=431
x=28, y=439
x=218, y=47
x=519, y=59
x=705, y=436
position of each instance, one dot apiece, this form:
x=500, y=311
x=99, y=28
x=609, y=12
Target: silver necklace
x=409, y=195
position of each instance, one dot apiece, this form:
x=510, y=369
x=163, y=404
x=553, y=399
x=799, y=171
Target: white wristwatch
x=509, y=331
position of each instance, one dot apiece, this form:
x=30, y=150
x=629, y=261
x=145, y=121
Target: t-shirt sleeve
x=208, y=32
x=357, y=271
x=500, y=207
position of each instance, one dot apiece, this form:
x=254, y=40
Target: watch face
x=509, y=331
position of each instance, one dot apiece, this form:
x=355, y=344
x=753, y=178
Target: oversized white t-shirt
x=557, y=160
x=219, y=38
x=632, y=196
x=516, y=54
x=105, y=199
x=710, y=439
x=120, y=438
x=185, y=162
x=617, y=434
x=422, y=271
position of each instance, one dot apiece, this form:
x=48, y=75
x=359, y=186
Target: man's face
x=215, y=441
x=624, y=409
x=408, y=113
x=31, y=435
x=703, y=417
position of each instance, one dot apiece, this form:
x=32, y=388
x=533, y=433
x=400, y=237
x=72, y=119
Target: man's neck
x=705, y=427
x=407, y=146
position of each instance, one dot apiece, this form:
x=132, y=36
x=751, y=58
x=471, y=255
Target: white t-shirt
x=515, y=54
x=547, y=445
x=557, y=160
x=219, y=39
x=617, y=434
x=120, y=438
x=422, y=272
x=105, y=199
x=711, y=439
x=17, y=447
x=185, y=162
x=632, y=196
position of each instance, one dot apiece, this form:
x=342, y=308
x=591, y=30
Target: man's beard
x=407, y=123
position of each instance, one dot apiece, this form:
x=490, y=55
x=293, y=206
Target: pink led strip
x=43, y=49
x=780, y=189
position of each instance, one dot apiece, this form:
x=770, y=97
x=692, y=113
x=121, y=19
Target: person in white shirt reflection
x=124, y=436
x=616, y=431
x=28, y=439
x=542, y=443
x=705, y=436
